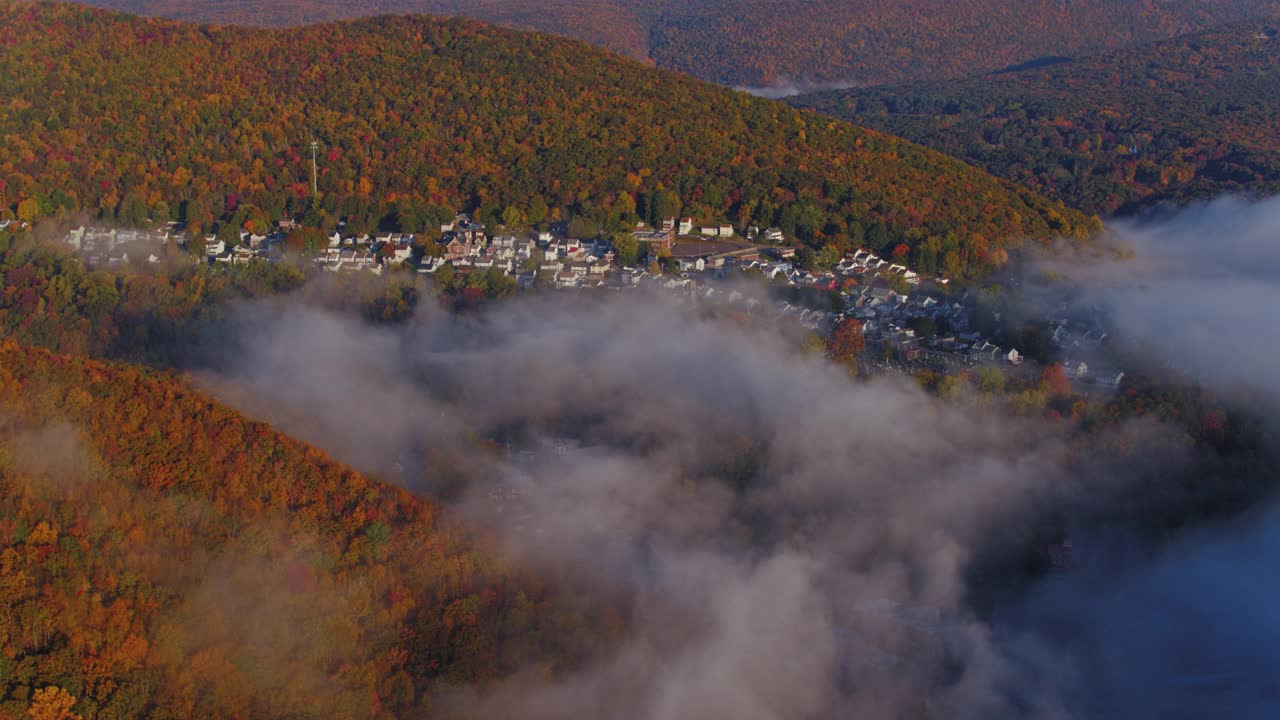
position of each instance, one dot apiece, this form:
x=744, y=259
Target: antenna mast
x=314, y=189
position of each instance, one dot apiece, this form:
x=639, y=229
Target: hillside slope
x=763, y=42
x=418, y=117
x=1187, y=118
x=164, y=557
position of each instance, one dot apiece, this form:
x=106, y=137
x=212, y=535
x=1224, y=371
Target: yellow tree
x=52, y=703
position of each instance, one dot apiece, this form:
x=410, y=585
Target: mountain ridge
x=755, y=43
x=419, y=118
x=1179, y=120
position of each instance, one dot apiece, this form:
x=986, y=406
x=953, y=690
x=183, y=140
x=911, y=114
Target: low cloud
x=784, y=543
x=1197, y=292
x=1183, y=628
x=789, y=543
x=54, y=457
x=784, y=88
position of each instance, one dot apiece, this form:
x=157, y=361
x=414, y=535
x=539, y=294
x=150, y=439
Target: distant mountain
x=127, y=117
x=163, y=556
x=1187, y=118
x=780, y=42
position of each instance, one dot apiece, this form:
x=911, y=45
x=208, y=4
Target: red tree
x=1054, y=379
x=846, y=342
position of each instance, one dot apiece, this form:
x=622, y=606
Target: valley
x=360, y=363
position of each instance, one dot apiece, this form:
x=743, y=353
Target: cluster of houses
x=1074, y=340
x=889, y=299
x=465, y=247
x=685, y=227
x=251, y=246
x=890, y=316
x=111, y=248
x=891, y=319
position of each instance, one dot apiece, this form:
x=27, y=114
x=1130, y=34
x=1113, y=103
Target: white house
x=1075, y=370
x=695, y=265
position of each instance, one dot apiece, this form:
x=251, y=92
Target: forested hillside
x=164, y=557
x=867, y=42
x=1187, y=118
x=762, y=42
x=415, y=118
x=48, y=298
x=156, y=313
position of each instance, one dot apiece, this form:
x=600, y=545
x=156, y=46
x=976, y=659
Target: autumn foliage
x=846, y=341
x=50, y=299
x=162, y=556
x=757, y=42
x=1055, y=381
x=418, y=118
x=1179, y=120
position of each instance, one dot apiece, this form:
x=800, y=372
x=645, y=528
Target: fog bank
x=791, y=543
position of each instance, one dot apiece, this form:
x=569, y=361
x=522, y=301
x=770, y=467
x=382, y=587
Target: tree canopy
x=1188, y=118
x=761, y=42
x=163, y=556
x=416, y=118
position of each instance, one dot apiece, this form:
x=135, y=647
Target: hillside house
x=401, y=252
x=984, y=351
x=691, y=265
x=455, y=245
x=1076, y=370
